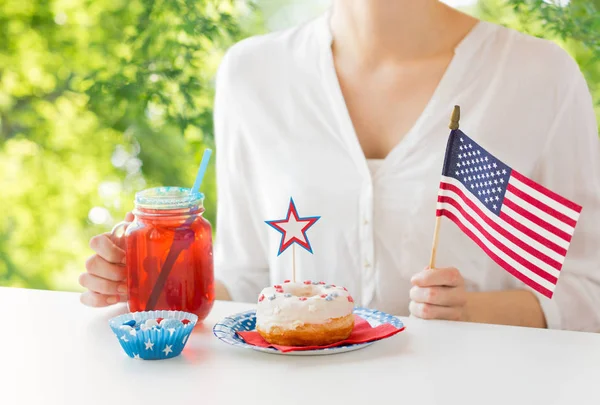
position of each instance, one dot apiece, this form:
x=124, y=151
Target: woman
x=348, y=115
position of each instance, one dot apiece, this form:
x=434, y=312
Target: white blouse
x=282, y=130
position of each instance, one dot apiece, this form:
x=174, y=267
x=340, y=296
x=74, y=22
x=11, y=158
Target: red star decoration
x=293, y=229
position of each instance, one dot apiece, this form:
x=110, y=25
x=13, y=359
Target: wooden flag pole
x=294, y=262
x=453, y=126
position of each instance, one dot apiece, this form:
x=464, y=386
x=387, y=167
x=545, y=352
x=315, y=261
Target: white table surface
x=53, y=350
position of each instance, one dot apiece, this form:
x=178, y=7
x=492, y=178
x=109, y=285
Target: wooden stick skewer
x=294, y=263
x=453, y=126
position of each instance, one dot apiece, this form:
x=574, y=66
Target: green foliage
x=98, y=99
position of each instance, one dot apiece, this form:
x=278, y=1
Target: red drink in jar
x=169, y=256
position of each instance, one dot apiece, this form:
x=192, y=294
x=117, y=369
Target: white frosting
x=284, y=307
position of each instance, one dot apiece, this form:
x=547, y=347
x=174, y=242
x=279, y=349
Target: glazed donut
x=304, y=314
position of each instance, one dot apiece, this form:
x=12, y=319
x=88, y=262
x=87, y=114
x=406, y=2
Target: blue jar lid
x=168, y=198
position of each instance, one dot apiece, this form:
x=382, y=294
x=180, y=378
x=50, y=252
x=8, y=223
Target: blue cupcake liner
x=153, y=344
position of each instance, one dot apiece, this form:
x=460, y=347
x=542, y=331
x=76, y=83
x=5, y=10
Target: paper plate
x=226, y=330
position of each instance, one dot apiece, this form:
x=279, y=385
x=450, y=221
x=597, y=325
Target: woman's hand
x=438, y=294
x=105, y=277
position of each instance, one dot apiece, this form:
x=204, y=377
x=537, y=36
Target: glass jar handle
x=117, y=234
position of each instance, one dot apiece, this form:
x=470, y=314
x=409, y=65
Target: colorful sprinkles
x=132, y=326
x=279, y=290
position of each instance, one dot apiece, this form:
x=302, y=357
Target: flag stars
x=499, y=189
x=497, y=198
x=461, y=139
x=495, y=165
x=457, y=164
x=498, y=172
x=501, y=180
x=470, y=146
x=495, y=206
x=460, y=147
x=459, y=156
x=479, y=193
x=503, y=171
x=486, y=158
x=457, y=172
x=495, y=181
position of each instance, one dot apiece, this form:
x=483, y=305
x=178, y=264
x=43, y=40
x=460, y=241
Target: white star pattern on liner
x=136, y=356
x=167, y=349
x=149, y=345
x=124, y=338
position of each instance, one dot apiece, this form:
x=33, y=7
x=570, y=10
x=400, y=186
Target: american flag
x=524, y=227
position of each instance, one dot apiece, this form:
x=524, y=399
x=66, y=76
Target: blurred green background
x=102, y=98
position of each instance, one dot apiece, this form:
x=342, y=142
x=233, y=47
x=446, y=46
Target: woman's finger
x=104, y=246
x=429, y=311
x=449, y=276
x=102, y=285
x=444, y=296
x=93, y=299
x=97, y=266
